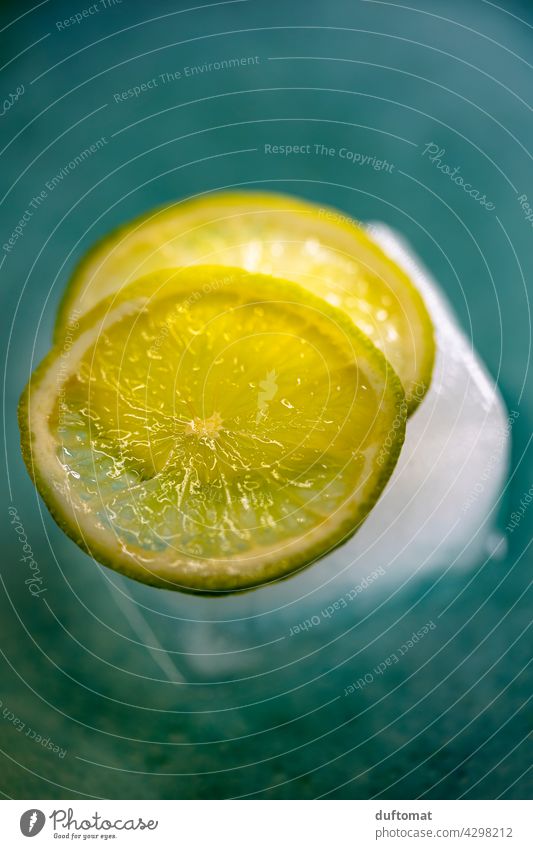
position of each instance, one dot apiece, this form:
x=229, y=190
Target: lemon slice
x=274, y=234
x=211, y=430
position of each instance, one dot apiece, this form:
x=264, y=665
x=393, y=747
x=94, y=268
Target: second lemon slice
x=273, y=234
x=210, y=430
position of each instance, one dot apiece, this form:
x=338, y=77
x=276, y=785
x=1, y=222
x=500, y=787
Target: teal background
x=380, y=78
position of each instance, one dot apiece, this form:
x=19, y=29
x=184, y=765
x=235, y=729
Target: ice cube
x=440, y=508
x=439, y=511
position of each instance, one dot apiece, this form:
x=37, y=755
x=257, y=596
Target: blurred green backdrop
x=378, y=78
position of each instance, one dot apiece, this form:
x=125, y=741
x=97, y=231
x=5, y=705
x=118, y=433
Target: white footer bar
x=267, y=824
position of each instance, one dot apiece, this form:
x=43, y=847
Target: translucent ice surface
x=440, y=507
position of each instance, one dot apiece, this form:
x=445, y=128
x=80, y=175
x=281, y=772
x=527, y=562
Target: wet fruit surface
x=211, y=429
